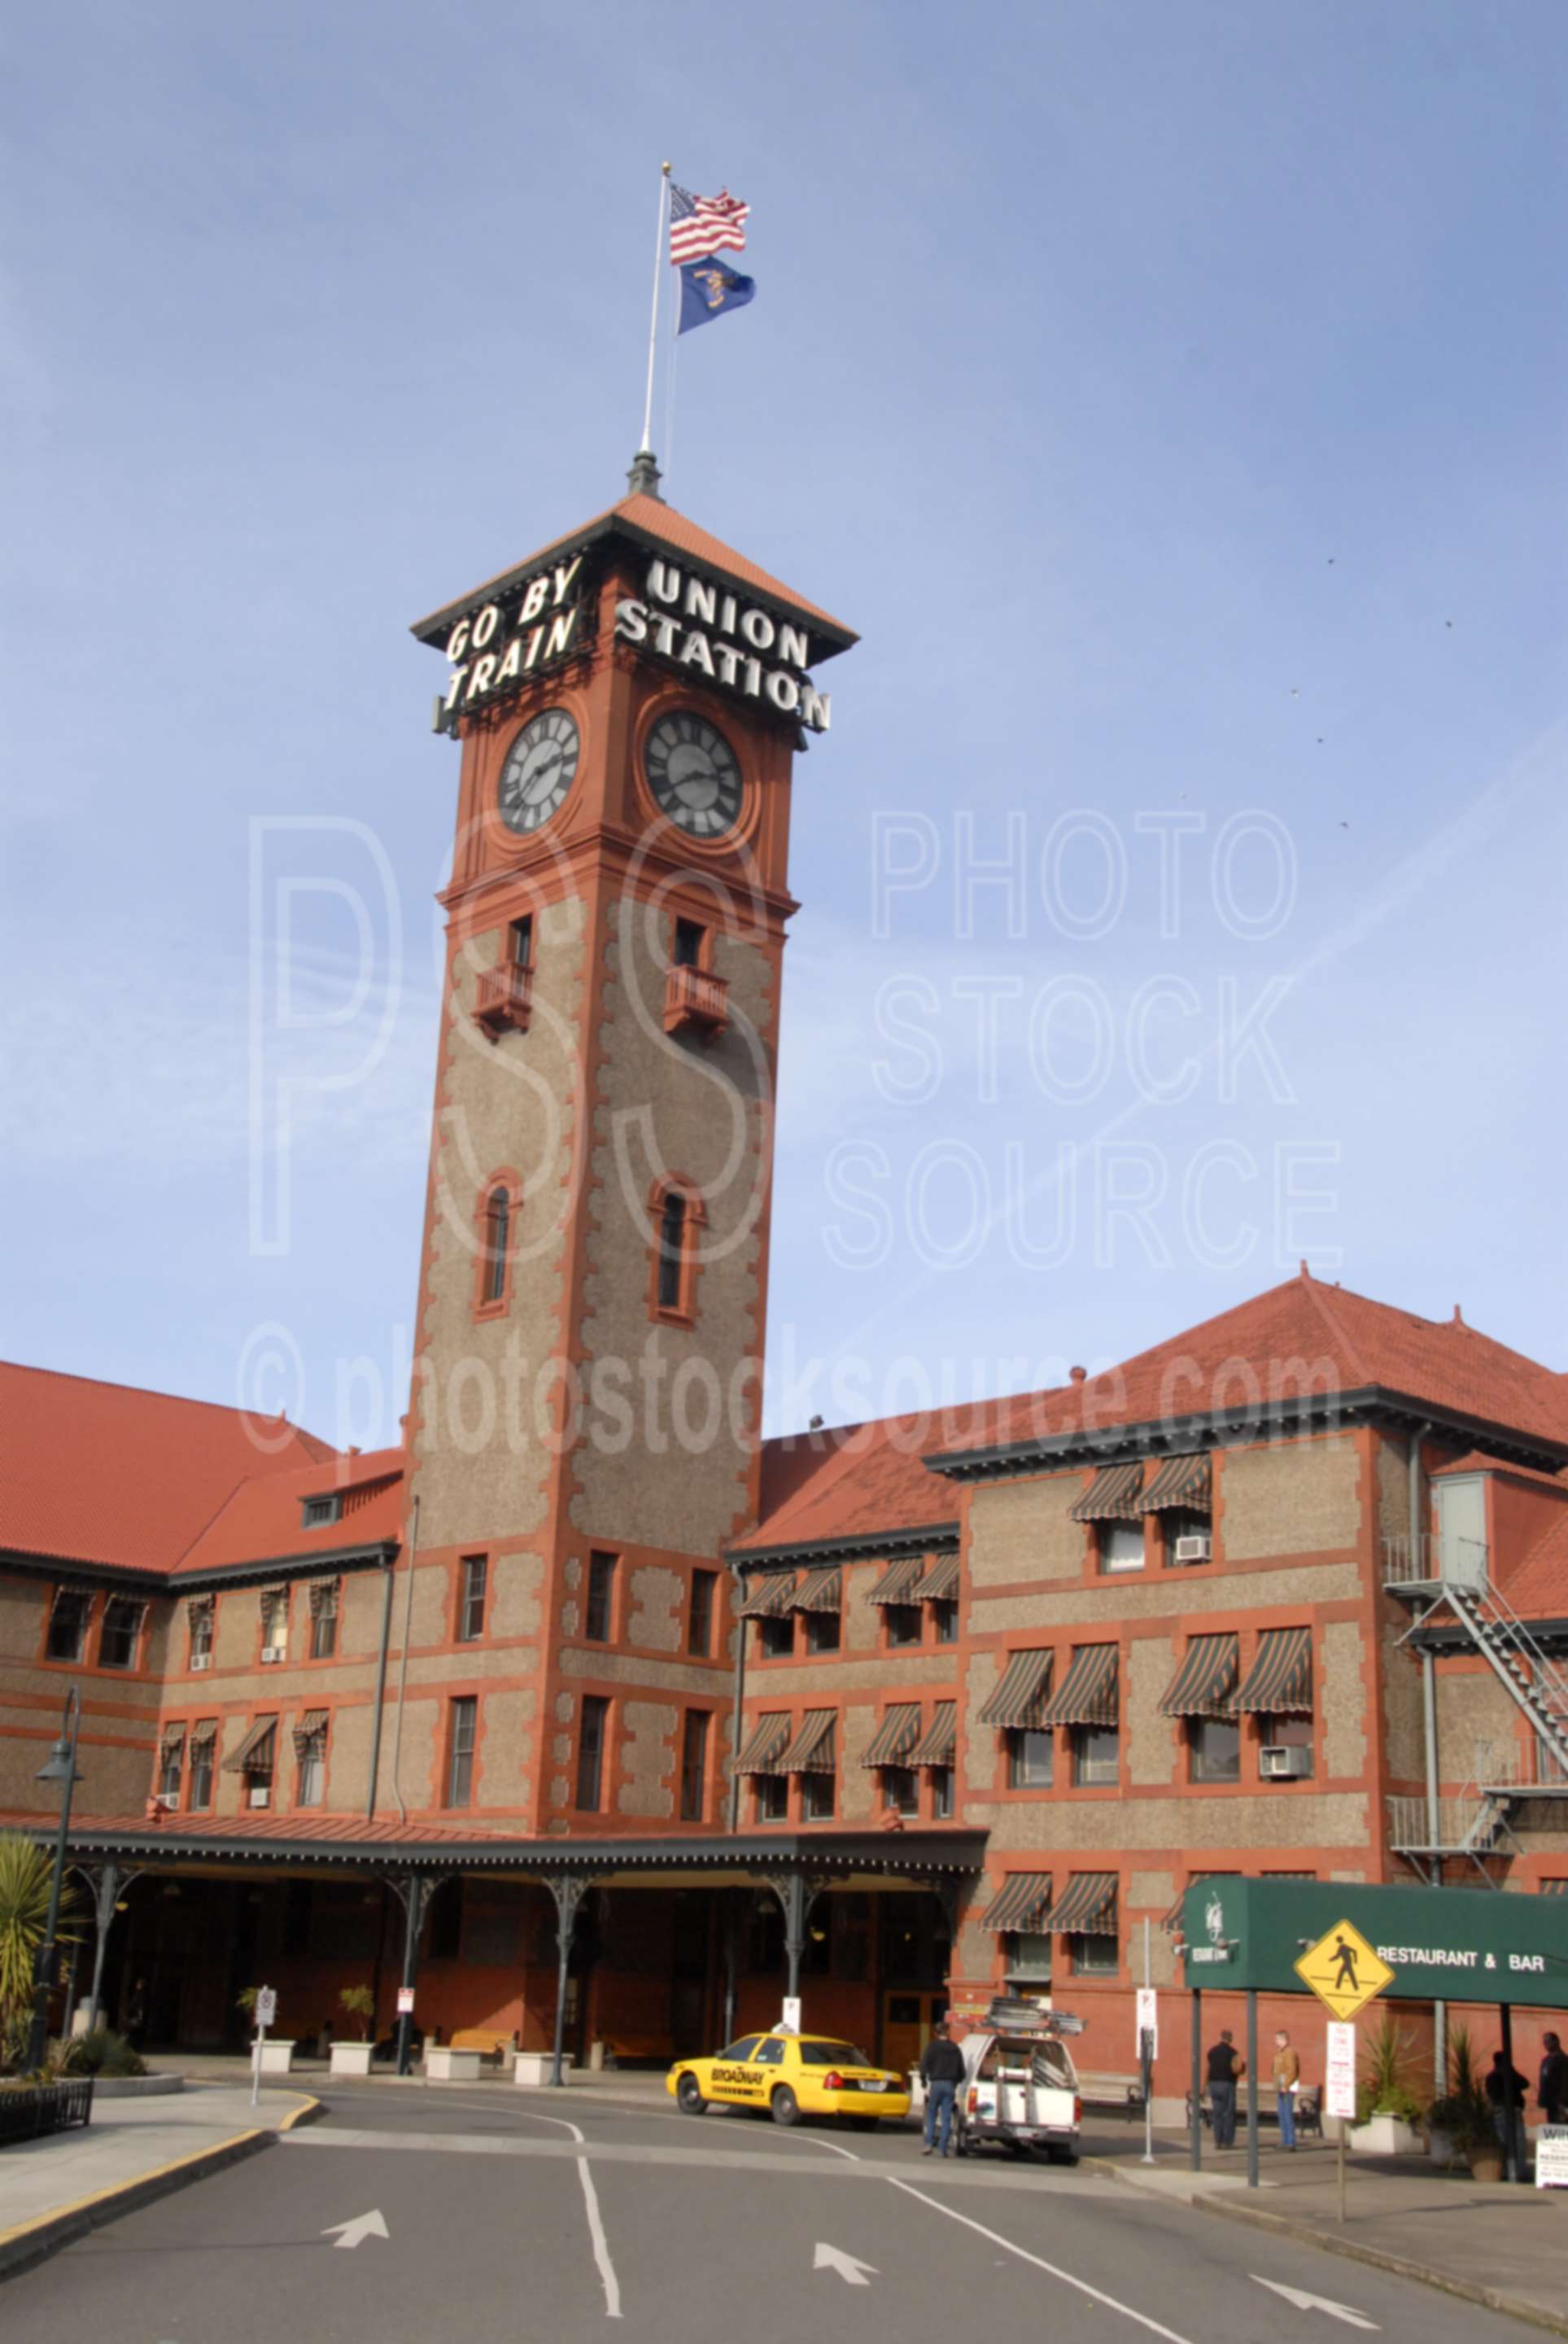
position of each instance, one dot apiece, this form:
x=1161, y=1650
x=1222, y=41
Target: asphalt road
x=505, y=2224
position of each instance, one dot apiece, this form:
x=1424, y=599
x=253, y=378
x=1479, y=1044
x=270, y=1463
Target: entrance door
x=907, y=2022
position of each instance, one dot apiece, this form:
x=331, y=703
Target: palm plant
x=25, y=1872
x=359, y=2003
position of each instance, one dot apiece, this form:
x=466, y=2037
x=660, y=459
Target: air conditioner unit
x=166, y=1799
x=1196, y=1546
x=1283, y=1758
x=260, y=1795
x=272, y=1651
x=201, y=1659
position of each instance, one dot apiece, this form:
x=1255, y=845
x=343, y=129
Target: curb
x=1286, y=2226
x=33, y=2242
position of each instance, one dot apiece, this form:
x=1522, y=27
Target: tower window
x=497, y=1225
x=700, y=1628
x=689, y=939
x=672, y=1251
x=694, y=1766
x=591, y=1754
x=600, y=1619
x=521, y=942
x=471, y=1603
x=465, y=1718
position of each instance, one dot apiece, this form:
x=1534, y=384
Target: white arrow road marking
x=354, y=2234
x=848, y=2266
x=1040, y=2263
x=1305, y=2302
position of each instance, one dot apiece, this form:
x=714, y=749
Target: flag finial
x=642, y=480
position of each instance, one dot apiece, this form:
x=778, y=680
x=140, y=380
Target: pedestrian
x=942, y=2072
x=1225, y=2071
x=1287, y=2084
x=1506, y=2089
x=136, y=2013
x=1553, y=2096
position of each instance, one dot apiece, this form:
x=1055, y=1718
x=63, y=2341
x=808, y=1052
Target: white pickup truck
x=1020, y=2086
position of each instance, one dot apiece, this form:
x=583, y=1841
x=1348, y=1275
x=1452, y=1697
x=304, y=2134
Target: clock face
x=693, y=773
x=540, y=768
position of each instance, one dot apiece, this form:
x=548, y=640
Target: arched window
x=672, y=1251
x=498, y=1223
x=675, y=1213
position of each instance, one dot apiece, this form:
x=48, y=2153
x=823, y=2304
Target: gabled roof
x=102, y=1473
x=1478, y=1460
x=857, y=1482
x=1301, y=1337
x=648, y=521
x=263, y=1521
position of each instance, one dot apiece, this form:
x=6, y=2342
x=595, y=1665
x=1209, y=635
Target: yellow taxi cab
x=788, y=2076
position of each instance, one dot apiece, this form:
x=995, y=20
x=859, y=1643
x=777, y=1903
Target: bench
x=490, y=2042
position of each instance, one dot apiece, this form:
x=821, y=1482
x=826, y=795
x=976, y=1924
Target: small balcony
x=696, y=997
x=505, y=998
x=1431, y=1560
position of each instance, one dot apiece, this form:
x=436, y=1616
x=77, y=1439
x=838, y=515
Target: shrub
x=359, y=2002
x=1384, y=2088
x=103, y=2053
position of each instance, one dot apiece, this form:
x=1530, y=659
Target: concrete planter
x=538, y=2067
x=351, y=2058
x=1384, y=2135
x=277, y=2056
x=443, y=2065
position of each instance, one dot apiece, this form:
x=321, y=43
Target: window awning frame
x=1087, y=1695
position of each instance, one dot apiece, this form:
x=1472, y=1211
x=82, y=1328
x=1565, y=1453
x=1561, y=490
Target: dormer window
x=316, y=1512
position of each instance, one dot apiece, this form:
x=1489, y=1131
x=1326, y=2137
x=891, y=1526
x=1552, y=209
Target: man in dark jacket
x=942, y=2072
x=1553, y=2096
x=1506, y=2089
x=1224, y=2069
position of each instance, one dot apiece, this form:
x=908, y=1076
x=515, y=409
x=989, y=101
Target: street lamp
x=59, y=1768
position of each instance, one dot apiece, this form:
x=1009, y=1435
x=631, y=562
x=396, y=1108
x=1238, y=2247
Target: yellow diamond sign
x=1344, y=1970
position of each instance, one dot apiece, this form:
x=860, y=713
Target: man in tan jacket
x=1287, y=2084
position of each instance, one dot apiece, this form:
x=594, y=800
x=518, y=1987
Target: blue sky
x=1171, y=394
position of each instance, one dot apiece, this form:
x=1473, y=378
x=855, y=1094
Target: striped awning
x=1087, y=1695
x=199, y=1608
x=941, y=1583
x=310, y=1728
x=1089, y=1907
x=1205, y=1683
x=766, y=1596
x=820, y=1590
x=1185, y=1481
x=760, y=1752
x=171, y=1738
x=1280, y=1676
x=939, y=1743
x=896, y=1737
x=811, y=1752
x=1555, y=1888
x=1112, y=1496
x=1019, y=1699
x=1023, y=1902
x=254, y=1752
x=899, y=1583
x=324, y=1597
x=204, y=1733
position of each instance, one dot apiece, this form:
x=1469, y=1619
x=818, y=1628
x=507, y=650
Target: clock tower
x=629, y=704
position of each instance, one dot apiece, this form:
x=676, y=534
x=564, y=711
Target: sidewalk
x=58, y=2188
x=1500, y=2245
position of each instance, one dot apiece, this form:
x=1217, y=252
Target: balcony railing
x=505, y=998
x=695, y=996
x=1432, y=1557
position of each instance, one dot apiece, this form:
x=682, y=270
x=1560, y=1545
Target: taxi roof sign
x=1344, y=1970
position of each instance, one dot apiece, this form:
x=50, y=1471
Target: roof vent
x=642, y=480
x=1078, y=1375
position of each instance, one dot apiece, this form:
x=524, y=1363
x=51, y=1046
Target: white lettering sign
x=1340, y=2073
x=705, y=613
x=1552, y=2157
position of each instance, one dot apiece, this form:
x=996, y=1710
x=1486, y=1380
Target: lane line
x=600, y=2243
x=1040, y=2263
x=535, y=2116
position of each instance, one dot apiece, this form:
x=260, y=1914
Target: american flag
x=701, y=225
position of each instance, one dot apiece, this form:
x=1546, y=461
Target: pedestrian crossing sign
x=1344, y=1970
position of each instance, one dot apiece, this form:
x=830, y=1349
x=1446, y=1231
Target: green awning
x=1182, y=1481
x=896, y=1737
x=941, y=1738
x=1280, y=1676
x=1019, y=1699
x=899, y=1583
x=811, y=1752
x=941, y=1583
x=1112, y=1496
x=820, y=1590
x=767, y=1596
x=1089, y=1907
x=1205, y=1683
x=1023, y=1903
x=254, y=1754
x=760, y=1750
x=1087, y=1695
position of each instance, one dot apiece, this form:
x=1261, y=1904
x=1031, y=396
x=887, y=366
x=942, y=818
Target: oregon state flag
x=707, y=288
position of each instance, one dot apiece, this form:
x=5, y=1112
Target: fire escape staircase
x=1477, y=1823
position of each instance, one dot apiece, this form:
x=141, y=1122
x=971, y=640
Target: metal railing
x=38, y=2109
x=505, y=994
x=697, y=996
x=1432, y=1559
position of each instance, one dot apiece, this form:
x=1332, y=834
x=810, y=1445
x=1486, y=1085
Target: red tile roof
x=345, y=1829
x=263, y=1520
x=1538, y=1590
x=651, y=517
x=857, y=1480
x=1477, y=1461
x=95, y=1472
x=1302, y=1336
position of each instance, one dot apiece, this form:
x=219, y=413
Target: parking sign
x=266, y=2005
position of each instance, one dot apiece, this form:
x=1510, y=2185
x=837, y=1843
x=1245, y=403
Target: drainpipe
x=380, y=1689
x=1428, y=1741
x=403, y=1662
x=736, y=1699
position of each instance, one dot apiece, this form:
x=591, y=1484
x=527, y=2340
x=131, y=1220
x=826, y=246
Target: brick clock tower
x=629, y=703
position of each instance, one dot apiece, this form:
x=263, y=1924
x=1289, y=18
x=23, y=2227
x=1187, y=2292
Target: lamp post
x=59, y=1768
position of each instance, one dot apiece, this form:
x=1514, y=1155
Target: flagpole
x=647, y=447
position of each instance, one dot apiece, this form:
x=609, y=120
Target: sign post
x=265, y=2012
x=1339, y=2087
x=1148, y=2049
